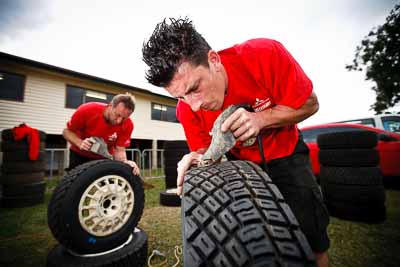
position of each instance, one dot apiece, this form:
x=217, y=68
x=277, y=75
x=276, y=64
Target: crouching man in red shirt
x=108, y=121
x=260, y=73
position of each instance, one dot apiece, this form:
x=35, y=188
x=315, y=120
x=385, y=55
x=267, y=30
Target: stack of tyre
x=350, y=177
x=93, y=213
x=173, y=153
x=22, y=179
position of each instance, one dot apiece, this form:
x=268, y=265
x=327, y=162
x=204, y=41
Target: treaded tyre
x=170, y=198
x=8, y=135
x=134, y=253
x=351, y=175
x=21, y=201
x=233, y=215
x=21, y=178
x=371, y=213
x=350, y=139
x=19, y=145
x=173, y=153
x=22, y=190
x=14, y=167
x=349, y=157
x=21, y=155
x=95, y=206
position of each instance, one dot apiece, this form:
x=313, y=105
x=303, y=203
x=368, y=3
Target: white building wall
x=44, y=107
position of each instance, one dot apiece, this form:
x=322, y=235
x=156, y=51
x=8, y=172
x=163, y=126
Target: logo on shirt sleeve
x=261, y=104
x=113, y=137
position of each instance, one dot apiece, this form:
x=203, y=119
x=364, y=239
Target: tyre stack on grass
x=22, y=179
x=173, y=153
x=350, y=176
x=93, y=213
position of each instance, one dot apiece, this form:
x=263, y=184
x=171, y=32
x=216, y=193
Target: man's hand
x=86, y=144
x=183, y=165
x=243, y=124
x=135, y=168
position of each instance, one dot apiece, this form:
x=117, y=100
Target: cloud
x=17, y=16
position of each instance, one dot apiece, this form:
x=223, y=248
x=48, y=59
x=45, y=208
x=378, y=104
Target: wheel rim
x=106, y=205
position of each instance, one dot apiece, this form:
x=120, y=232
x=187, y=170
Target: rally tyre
x=133, y=254
x=14, y=167
x=21, y=201
x=173, y=153
x=349, y=157
x=170, y=198
x=18, y=145
x=350, y=139
x=371, y=213
x=22, y=190
x=8, y=135
x=95, y=206
x=21, y=155
x=21, y=178
x=233, y=215
x=351, y=175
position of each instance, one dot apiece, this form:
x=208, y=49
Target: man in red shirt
x=262, y=74
x=108, y=121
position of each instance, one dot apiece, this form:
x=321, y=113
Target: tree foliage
x=379, y=55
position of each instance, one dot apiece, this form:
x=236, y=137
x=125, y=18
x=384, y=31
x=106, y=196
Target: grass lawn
x=25, y=238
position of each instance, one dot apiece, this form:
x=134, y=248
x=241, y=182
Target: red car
x=388, y=145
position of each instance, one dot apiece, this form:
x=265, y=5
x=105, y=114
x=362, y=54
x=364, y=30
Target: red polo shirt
x=261, y=73
x=88, y=120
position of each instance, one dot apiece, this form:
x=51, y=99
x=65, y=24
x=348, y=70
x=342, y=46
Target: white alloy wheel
x=106, y=205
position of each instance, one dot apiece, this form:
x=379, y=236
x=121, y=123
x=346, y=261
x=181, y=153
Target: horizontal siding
x=44, y=108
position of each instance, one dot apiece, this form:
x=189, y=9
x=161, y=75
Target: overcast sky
x=104, y=38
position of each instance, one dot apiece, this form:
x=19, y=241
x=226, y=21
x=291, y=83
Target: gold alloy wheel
x=106, y=205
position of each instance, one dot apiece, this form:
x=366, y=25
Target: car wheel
x=233, y=215
x=132, y=253
x=95, y=206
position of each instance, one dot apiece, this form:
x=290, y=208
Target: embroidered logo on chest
x=113, y=137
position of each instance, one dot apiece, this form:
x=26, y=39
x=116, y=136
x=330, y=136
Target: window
x=77, y=96
x=11, y=86
x=391, y=123
x=163, y=113
x=310, y=136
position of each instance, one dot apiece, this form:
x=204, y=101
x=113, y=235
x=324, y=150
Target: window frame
x=85, y=91
x=23, y=86
x=163, y=113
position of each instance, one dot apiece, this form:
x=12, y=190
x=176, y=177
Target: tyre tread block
x=250, y=225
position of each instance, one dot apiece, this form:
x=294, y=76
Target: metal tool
x=99, y=147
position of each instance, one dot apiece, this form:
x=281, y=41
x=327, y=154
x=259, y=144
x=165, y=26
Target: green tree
x=379, y=55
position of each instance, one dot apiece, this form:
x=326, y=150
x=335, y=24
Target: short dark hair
x=127, y=99
x=169, y=46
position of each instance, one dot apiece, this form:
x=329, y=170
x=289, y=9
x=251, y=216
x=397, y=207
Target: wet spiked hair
x=169, y=46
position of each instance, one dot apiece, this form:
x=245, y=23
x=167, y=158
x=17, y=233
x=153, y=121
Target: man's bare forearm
x=71, y=137
x=280, y=115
